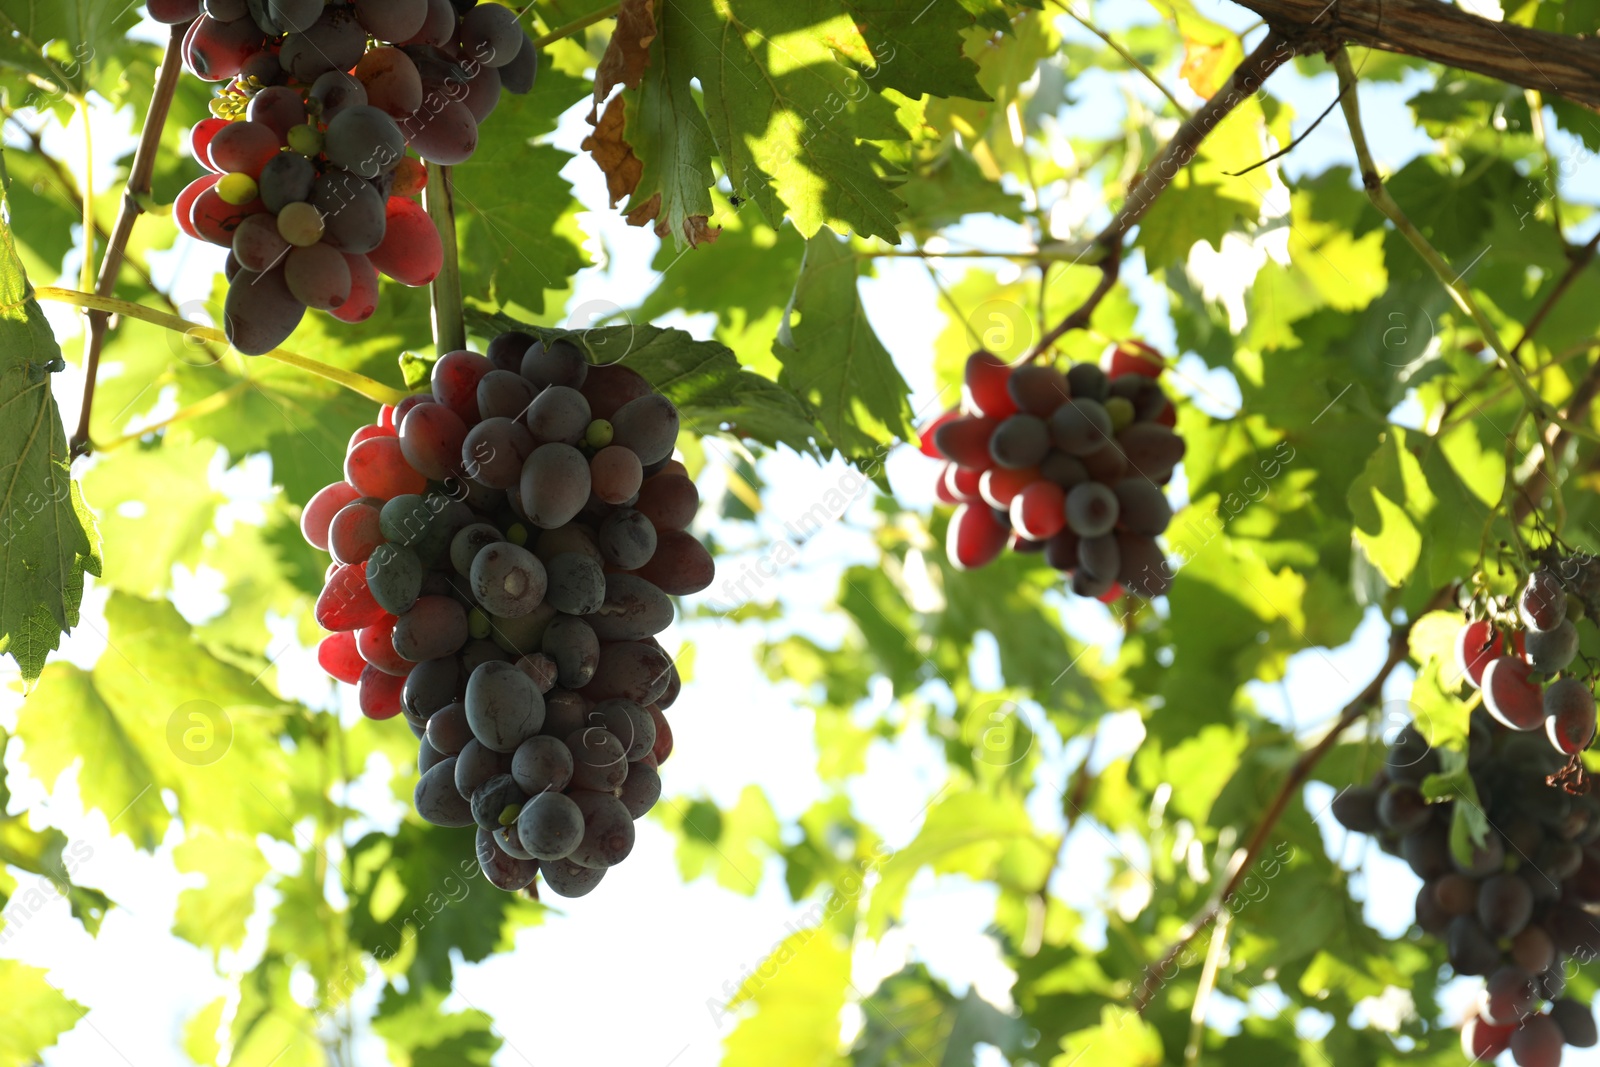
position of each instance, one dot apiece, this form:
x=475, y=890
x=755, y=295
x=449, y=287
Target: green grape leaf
x=1390, y=501
x=915, y=49
x=832, y=359
x=793, y=125
x=666, y=133
x=214, y=915
x=48, y=539
x=158, y=713
x=513, y=208
x=53, y=50
x=797, y=995
x=418, y=1029
x=37, y=1014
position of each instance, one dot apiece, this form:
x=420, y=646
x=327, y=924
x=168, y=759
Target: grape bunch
x=310, y=186
x=1513, y=907
x=1522, y=662
x=1069, y=464
x=505, y=549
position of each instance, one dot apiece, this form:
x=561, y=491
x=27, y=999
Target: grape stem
x=1245, y=81
x=209, y=405
x=358, y=383
x=1448, y=277
x=1110, y=266
x=577, y=26
x=144, y=165
x=1244, y=860
x=1127, y=56
x=449, y=328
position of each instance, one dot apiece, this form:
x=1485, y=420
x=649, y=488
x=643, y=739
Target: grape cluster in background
x=505, y=549
x=1511, y=906
x=1522, y=659
x=310, y=186
x=1070, y=464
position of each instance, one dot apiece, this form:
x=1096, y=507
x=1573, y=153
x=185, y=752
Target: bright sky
x=732, y=726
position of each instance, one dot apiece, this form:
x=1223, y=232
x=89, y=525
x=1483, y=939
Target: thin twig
x=449, y=328
x=1581, y=258
x=1459, y=293
x=1536, y=118
x=1127, y=57
x=1290, y=147
x=1110, y=267
x=144, y=164
x=1399, y=648
x=359, y=383
x=1247, y=78
x=576, y=26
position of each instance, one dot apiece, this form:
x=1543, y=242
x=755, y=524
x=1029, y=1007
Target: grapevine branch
x=359, y=383
x=1459, y=293
x=1273, y=51
x=1443, y=33
x=449, y=328
x=1399, y=648
x=144, y=165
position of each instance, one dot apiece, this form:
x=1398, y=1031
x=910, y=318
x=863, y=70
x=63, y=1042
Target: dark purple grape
x=504, y=707
x=1091, y=510
x=1505, y=905
x=1019, y=442
x=599, y=759
x=1537, y=1043
x=436, y=798
x=542, y=765
x=1508, y=996
x=1080, y=427
x=508, y=580
x=447, y=729
x=1402, y=809
x=568, y=879
x=633, y=609
x=577, y=584
x=608, y=832
x=558, y=363
x=627, y=539
x=572, y=644
x=550, y=826
x=1576, y=1022
x=501, y=869
x=1356, y=808
x=1470, y=948
x=475, y=766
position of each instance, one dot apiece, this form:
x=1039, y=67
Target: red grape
x=376, y=643
x=410, y=252
x=1510, y=697
x=363, y=299
x=1134, y=357
x=339, y=655
x=975, y=537
x=985, y=386
x=378, y=468
x=431, y=437
x=345, y=602
x=455, y=380
x=379, y=693
x=1037, y=512
x=318, y=514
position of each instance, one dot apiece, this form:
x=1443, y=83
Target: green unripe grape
x=509, y=813
x=1120, y=408
x=237, y=189
x=305, y=139
x=1575, y=608
x=300, y=224
x=599, y=434
x=478, y=623
x=517, y=534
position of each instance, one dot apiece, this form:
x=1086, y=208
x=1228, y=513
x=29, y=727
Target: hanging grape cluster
x=504, y=553
x=1070, y=464
x=1522, y=660
x=310, y=187
x=1511, y=905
